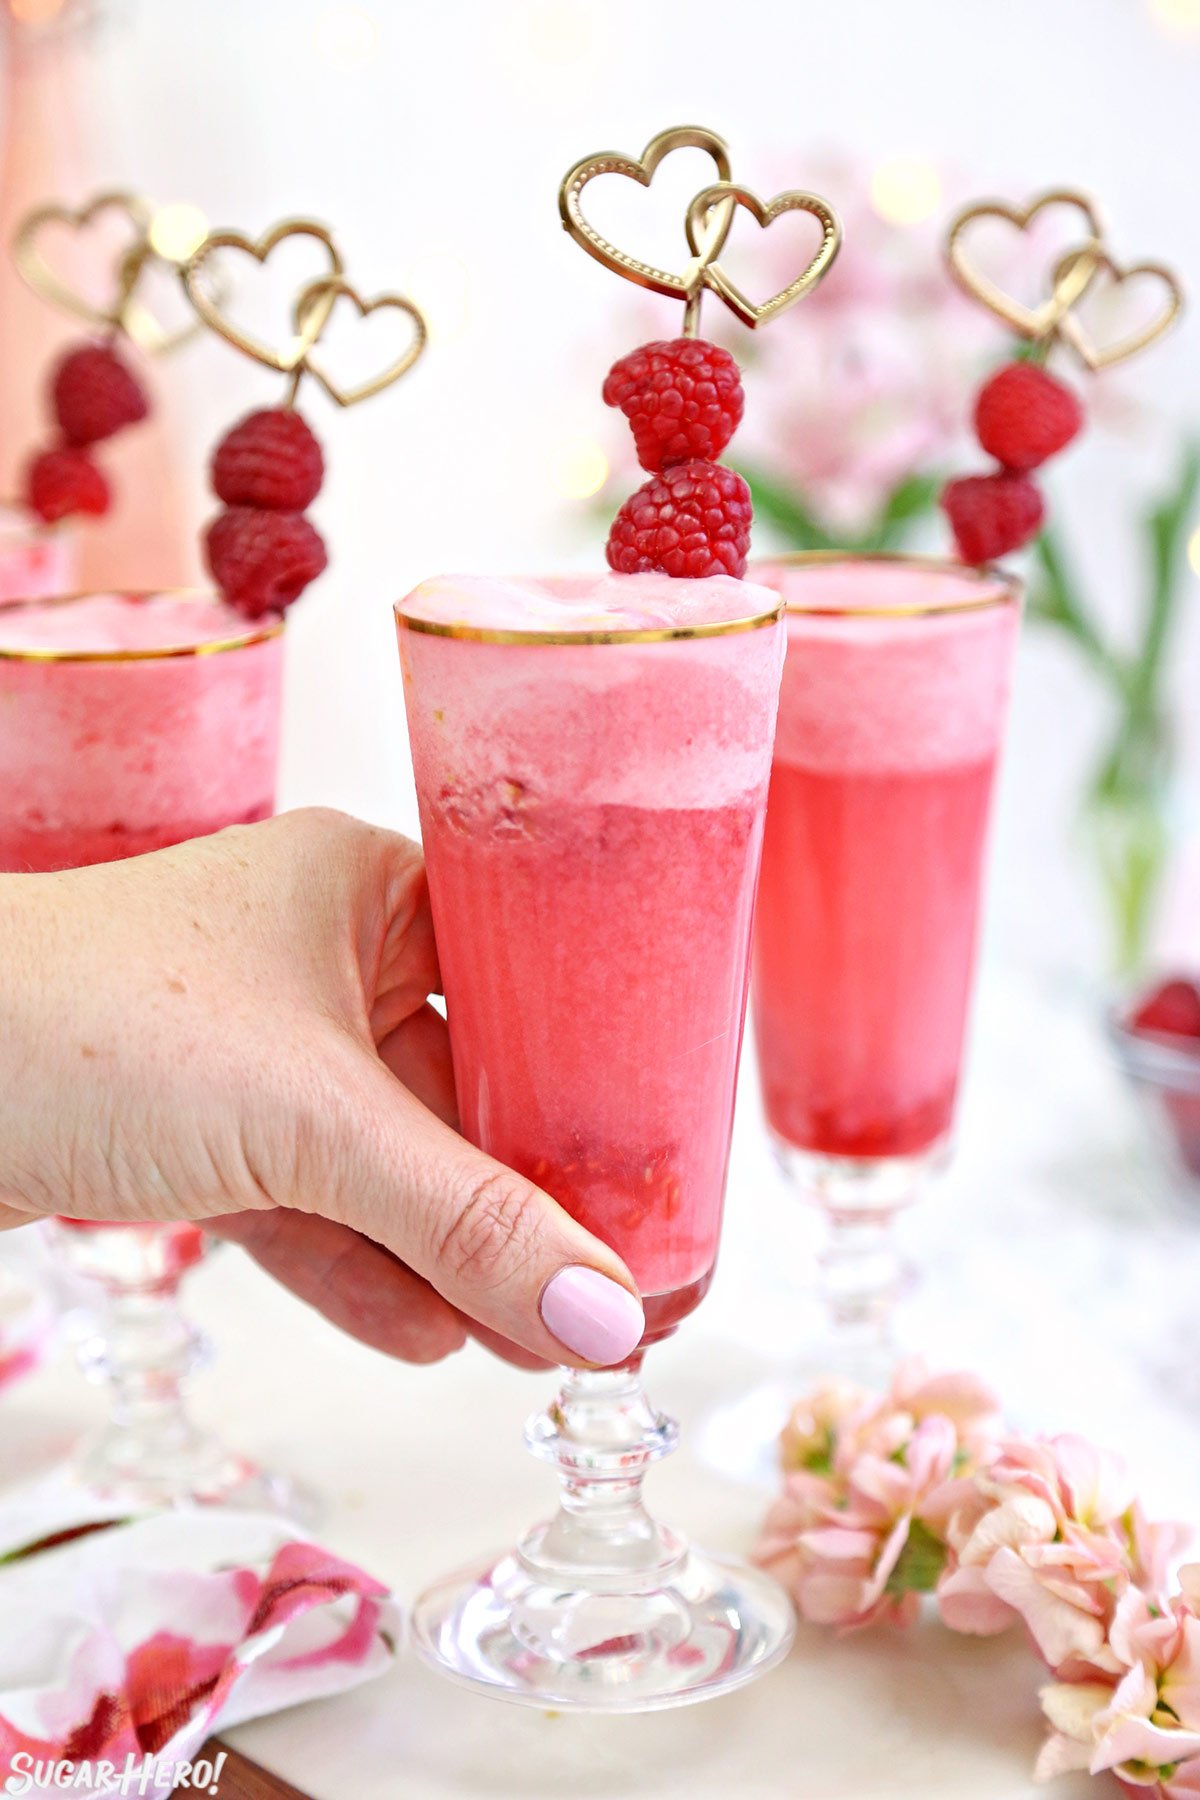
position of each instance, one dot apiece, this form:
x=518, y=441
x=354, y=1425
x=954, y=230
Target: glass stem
x=601, y=1434
x=143, y=1351
x=861, y=1274
x=860, y=1278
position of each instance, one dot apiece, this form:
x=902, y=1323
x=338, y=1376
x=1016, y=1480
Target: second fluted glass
x=891, y=719
x=129, y=722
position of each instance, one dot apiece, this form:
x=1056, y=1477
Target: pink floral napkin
x=128, y=1644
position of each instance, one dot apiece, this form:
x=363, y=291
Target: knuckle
x=492, y=1231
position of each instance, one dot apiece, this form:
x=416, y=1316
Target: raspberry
x=262, y=561
x=94, y=394
x=269, y=459
x=991, y=514
x=1023, y=416
x=1172, y=1009
x=64, y=481
x=683, y=400
x=691, y=520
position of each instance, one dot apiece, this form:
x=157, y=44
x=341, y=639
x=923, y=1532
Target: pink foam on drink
x=104, y=759
x=582, y=603
x=105, y=622
x=565, y=722
x=880, y=694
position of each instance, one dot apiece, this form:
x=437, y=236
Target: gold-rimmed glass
x=109, y=750
x=591, y=807
x=892, y=713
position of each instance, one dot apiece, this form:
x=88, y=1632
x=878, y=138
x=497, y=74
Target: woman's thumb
x=497, y=1247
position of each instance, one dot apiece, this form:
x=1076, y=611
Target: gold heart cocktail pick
x=1108, y=273
x=794, y=200
x=308, y=315
x=641, y=169
x=284, y=357
x=1086, y=268
x=128, y=310
x=707, y=225
x=1065, y=282
x=333, y=288
x=49, y=281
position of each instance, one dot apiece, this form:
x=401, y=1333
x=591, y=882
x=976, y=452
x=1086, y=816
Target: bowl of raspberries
x=1156, y=1037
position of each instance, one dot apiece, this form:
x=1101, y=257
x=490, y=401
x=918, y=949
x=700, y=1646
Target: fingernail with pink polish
x=593, y=1317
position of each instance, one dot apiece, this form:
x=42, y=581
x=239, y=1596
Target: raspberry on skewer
x=270, y=459
x=63, y=481
x=262, y=561
x=683, y=400
x=690, y=520
x=991, y=515
x=1024, y=416
x=95, y=394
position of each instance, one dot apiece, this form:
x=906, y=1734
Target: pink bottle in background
x=52, y=148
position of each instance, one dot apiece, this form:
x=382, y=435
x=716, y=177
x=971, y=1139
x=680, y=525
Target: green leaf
x=1165, y=528
x=911, y=499
x=791, y=515
x=919, y=1564
x=1055, y=599
x=786, y=511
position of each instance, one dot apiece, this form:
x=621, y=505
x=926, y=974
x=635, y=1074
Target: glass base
x=705, y=1628
x=142, y=1350
x=135, y=1475
x=601, y=1608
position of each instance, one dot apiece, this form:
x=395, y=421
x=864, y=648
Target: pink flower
x=1143, y=1723
x=871, y=1484
x=810, y=1436
x=857, y=1547
x=1050, y=1532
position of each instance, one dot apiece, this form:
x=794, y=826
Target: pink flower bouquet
x=919, y=1492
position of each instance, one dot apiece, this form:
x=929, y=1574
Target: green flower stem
x=919, y=1564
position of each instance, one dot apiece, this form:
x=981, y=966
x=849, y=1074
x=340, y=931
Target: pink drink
x=592, y=817
x=889, y=730
x=127, y=723
x=125, y=726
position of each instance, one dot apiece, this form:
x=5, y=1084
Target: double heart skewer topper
x=291, y=352
x=261, y=549
x=683, y=397
x=1023, y=415
x=1086, y=269
x=708, y=223
x=107, y=262
x=124, y=311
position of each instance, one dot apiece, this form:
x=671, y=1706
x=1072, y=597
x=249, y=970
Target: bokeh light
x=578, y=467
x=905, y=190
x=176, y=231
x=346, y=37
x=35, y=12
x=1194, y=551
x=1177, y=15
x=563, y=36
